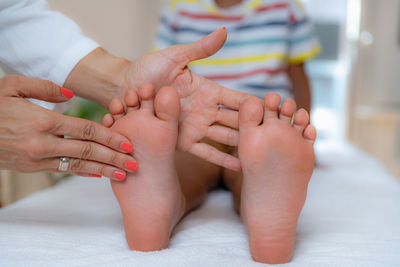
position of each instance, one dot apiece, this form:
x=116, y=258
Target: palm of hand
x=200, y=98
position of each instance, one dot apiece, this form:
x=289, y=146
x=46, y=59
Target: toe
x=271, y=105
x=287, y=109
x=250, y=113
x=131, y=100
x=167, y=105
x=116, y=108
x=310, y=134
x=301, y=120
x=146, y=93
x=108, y=120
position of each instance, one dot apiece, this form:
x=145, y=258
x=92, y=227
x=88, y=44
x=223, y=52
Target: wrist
x=98, y=77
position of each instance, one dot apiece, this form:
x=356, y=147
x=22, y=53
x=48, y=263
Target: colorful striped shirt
x=264, y=37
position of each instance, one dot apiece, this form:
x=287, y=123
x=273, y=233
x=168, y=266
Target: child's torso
x=254, y=57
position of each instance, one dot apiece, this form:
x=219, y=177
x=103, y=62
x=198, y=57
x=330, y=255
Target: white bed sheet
x=351, y=218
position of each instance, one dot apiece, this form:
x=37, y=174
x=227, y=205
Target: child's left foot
x=277, y=161
x=151, y=199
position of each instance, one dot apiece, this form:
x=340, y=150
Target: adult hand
x=101, y=77
x=32, y=138
x=201, y=114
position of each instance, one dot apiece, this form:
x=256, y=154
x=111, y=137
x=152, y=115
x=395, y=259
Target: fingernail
x=67, y=93
x=119, y=175
x=131, y=165
x=224, y=28
x=127, y=147
x=96, y=175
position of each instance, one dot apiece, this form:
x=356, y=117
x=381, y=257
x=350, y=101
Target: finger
x=215, y=156
x=231, y=98
x=80, y=166
x=223, y=135
x=93, y=131
x=17, y=85
x=203, y=48
x=94, y=152
x=228, y=118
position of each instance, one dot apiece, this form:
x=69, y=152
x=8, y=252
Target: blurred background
x=355, y=80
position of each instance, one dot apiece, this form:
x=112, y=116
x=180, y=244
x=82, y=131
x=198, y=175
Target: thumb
x=21, y=86
x=200, y=49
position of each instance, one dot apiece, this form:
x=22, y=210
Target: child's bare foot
x=150, y=199
x=277, y=160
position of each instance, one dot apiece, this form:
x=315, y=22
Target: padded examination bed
x=351, y=218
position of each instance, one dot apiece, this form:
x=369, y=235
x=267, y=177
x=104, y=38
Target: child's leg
x=153, y=199
x=277, y=161
x=196, y=177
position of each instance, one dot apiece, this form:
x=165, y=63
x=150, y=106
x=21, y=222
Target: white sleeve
x=38, y=42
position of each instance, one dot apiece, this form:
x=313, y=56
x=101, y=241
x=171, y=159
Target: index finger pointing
x=93, y=131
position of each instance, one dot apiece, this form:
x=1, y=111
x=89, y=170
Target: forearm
x=300, y=86
x=98, y=76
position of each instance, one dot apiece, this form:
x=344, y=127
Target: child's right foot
x=151, y=199
x=277, y=160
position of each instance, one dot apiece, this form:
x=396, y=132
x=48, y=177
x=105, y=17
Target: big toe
x=250, y=113
x=146, y=93
x=167, y=106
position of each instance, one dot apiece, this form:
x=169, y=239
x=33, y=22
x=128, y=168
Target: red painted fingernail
x=96, y=175
x=127, y=147
x=119, y=175
x=131, y=165
x=67, y=93
x=224, y=28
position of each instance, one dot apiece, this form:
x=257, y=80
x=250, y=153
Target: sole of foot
x=151, y=199
x=277, y=159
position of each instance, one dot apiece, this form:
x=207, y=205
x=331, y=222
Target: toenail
x=127, y=147
x=131, y=165
x=119, y=175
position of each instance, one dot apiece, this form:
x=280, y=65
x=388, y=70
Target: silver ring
x=64, y=164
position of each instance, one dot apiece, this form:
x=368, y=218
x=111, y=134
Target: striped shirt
x=264, y=37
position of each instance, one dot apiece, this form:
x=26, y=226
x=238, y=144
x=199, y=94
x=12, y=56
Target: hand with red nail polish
x=32, y=137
